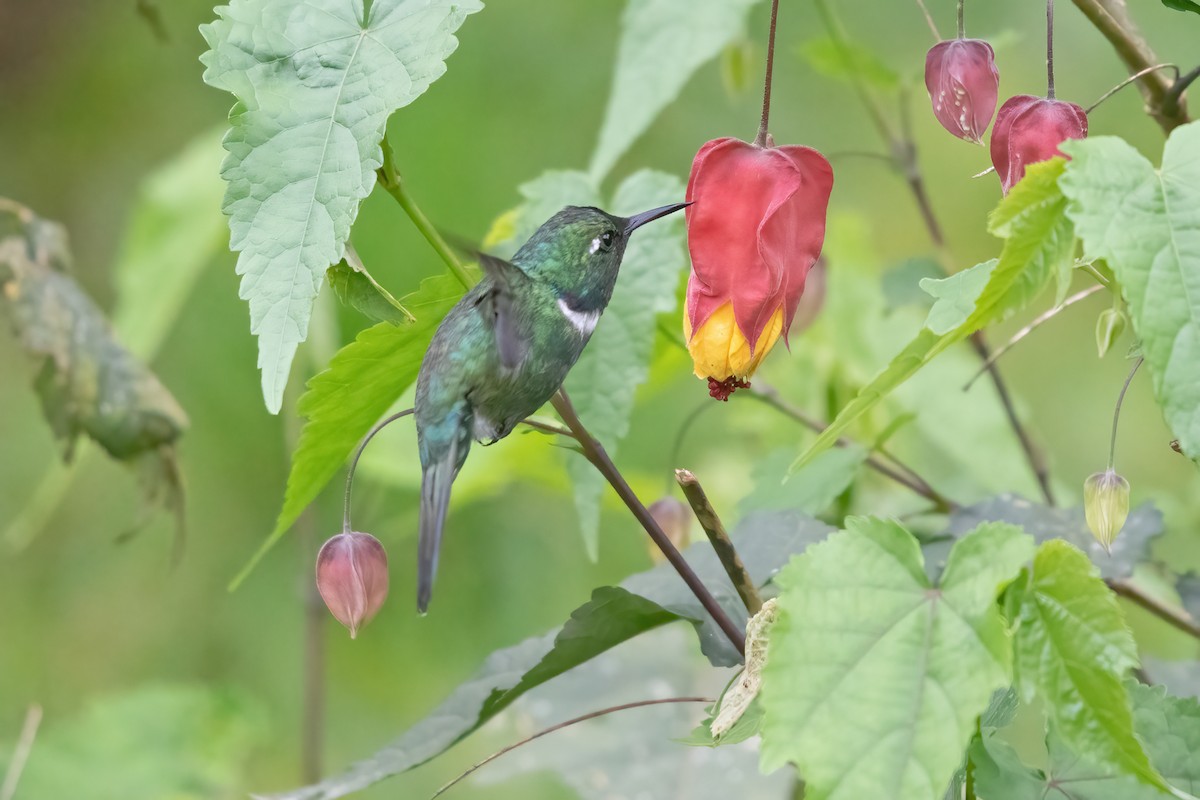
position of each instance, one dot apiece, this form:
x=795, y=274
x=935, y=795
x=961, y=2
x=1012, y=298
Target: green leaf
x=1144, y=224
x=604, y=382
x=663, y=42
x=849, y=61
x=1072, y=649
x=315, y=81
x=355, y=287
x=87, y=381
x=1132, y=547
x=362, y=382
x=613, y=615
x=1038, y=237
x=813, y=489
x=1183, y=5
x=1180, y=677
x=179, y=742
x=174, y=231
x=955, y=296
x=875, y=677
x=901, y=283
x=1169, y=727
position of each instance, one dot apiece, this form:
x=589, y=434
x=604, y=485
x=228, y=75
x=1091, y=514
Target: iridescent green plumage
x=506, y=347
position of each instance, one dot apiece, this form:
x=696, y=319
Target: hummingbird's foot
x=720, y=390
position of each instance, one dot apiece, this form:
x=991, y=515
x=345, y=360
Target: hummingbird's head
x=579, y=251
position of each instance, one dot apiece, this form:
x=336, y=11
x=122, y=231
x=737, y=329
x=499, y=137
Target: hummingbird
x=506, y=346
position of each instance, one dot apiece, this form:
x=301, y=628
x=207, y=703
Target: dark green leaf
x=663, y=42
x=612, y=616
x=315, y=84
x=1183, y=5
x=1145, y=523
x=1072, y=650
x=362, y=382
x=355, y=287
x=1141, y=221
x=875, y=677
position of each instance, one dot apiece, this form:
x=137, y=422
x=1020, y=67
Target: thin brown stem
x=706, y=515
x=929, y=20
x=568, y=723
x=1033, y=325
x=901, y=474
x=760, y=140
x=547, y=427
x=1112, y=442
x=1135, y=76
x=1050, y=49
x=595, y=453
x=1111, y=18
x=1182, y=82
x=1176, y=617
x=20, y=754
x=383, y=423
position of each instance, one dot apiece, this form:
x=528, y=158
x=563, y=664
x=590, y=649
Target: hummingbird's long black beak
x=638, y=220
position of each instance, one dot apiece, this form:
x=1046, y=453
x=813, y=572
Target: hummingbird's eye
x=606, y=240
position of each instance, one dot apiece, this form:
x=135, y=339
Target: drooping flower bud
x=1109, y=327
x=352, y=578
x=1030, y=129
x=1105, y=505
x=755, y=228
x=675, y=518
x=963, y=85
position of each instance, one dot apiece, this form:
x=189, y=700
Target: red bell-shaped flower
x=963, y=85
x=1030, y=129
x=755, y=228
x=352, y=577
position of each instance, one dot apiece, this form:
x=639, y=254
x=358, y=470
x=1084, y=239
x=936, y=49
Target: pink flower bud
x=755, y=228
x=352, y=578
x=1030, y=129
x=675, y=518
x=963, y=85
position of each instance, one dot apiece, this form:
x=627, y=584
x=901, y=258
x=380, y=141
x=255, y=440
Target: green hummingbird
x=506, y=346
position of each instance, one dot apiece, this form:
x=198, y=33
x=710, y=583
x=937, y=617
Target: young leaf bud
x=1105, y=505
x=1109, y=327
x=352, y=578
x=675, y=518
x=963, y=85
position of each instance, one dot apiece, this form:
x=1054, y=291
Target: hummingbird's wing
x=496, y=307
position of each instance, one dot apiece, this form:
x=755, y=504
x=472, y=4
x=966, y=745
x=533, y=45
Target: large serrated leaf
x=874, y=676
x=1038, y=239
x=362, y=382
x=663, y=42
x=1072, y=649
x=613, y=615
x=315, y=81
x=1145, y=224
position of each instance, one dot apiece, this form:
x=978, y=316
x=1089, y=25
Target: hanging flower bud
x=963, y=85
x=352, y=578
x=1030, y=129
x=755, y=228
x=1109, y=327
x=675, y=518
x=1106, y=505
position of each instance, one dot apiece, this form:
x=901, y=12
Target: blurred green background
x=92, y=101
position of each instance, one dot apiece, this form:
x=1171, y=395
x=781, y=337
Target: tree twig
x=1176, y=617
x=568, y=723
x=595, y=453
x=1033, y=325
x=901, y=474
x=16, y=764
x=1111, y=18
x=706, y=515
x=1135, y=76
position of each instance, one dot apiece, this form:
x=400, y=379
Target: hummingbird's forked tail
x=435, y=499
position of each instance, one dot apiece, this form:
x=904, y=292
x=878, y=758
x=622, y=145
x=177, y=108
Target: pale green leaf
x=315, y=81
x=175, y=230
x=362, y=382
x=1038, y=236
x=357, y=288
x=875, y=677
x=955, y=296
x=849, y=61
x=1145, y=224
x=1072, y=649
x=663, y=42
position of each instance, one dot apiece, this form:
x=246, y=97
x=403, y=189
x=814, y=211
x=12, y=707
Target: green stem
x=1112, y=442
x=962, y=29
x=390, y=180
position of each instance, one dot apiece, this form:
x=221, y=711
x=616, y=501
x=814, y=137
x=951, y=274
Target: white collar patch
x=583, y=321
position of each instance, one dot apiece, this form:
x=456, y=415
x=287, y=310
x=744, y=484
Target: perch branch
x=706, y=515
